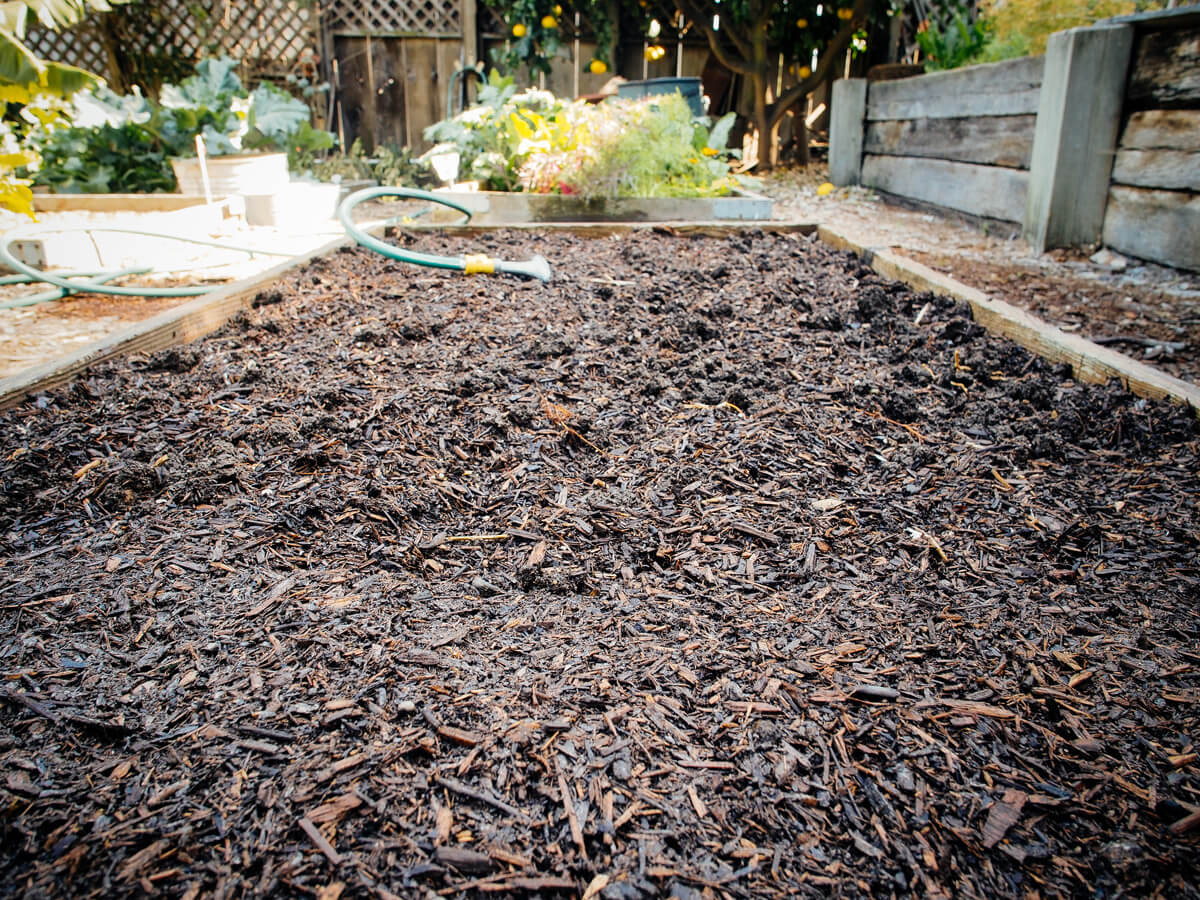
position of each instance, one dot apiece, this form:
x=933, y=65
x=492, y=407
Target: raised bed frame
x=1090, y=362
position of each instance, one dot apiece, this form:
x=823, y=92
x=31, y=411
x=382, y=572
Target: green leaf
x=718, y=138
x=275, y=114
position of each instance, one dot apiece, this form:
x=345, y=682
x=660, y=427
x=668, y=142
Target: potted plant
x=245, y=136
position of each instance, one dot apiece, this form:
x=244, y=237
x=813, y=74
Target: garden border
x=1089, y=361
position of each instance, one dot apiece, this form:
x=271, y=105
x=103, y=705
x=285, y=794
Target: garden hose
x=59, y=292
x=98, y=283
x=469, y=264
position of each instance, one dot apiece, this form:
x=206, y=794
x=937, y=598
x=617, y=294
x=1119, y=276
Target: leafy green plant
x=645, y=148
x=214, y=104
x=125, y=143
x=953, y=37
x=389, y=166
x=32, y=89
x=535, y=142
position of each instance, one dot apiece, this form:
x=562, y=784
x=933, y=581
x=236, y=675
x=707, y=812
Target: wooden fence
x=1076, y=146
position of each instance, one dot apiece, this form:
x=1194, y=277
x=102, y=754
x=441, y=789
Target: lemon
x=519, y=30
x=549, y=22
x=805, y=71
x=597, y=67
x=825, y=190
x=802, y=23
x=557, y=10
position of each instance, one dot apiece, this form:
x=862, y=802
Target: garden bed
x=499, y=208
x=718, y=564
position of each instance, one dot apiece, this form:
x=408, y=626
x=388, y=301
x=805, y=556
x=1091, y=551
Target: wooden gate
x=392, y=63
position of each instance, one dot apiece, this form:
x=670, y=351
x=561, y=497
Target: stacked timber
x=960, y=139
x=1154, y=200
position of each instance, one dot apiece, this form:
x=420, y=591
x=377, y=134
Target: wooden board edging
x=193, y=319
x=1089, y=361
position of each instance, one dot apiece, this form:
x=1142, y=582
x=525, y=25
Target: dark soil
x=701, y=571
x=1139, y=319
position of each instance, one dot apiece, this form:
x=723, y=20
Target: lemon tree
x=746, y=36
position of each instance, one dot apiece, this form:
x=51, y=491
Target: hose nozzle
x=534, y=268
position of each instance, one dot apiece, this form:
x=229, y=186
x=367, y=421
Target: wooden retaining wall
x=1098, y=140
x=960, y=139
x=1153, y=209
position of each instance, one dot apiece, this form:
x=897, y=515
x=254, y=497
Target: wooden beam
x=1162, y=226
x=1089, y=361
x=846, y=125
x=1173, y=170
x=990, y=191
x=1166, y=70
x=1162, y=129
x=470, y=33
x=986, y=140
x=1079, y=118
x=115, y=202
x=1009, y=88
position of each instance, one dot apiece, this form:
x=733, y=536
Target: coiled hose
x=96, y=282
x=469, y=264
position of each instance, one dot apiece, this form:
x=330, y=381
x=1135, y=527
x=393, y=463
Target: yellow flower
x=805, y=71
x=709, y=151
x=695, y=160
x=549, y=22
x=597, y=67
x=519, y=30
x=802, y=23
x=825, y=190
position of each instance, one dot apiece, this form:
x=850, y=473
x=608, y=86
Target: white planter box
x=246, y=173
x=293, y=205
x=495, y=208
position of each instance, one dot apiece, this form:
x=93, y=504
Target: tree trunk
x=762, y=122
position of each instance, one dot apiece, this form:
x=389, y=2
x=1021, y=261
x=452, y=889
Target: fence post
x=1079, y=113
x=847, y=115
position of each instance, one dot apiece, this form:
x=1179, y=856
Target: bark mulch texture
x=719, y=567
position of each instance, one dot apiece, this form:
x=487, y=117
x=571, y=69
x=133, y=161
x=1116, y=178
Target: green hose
x=59, y=292
x=469, y=264
x=98, y=286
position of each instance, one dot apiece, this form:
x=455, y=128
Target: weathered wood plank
x=1162, y=129
x=1166, y=70
x=422, y=85
x=193, y=319
x=846, y=130
x=1173, y=170
x=1163, y=226
x=989, y=140
x=1089, y=361
x=1008, y=88
x=990, y=191
x=1078, y=121
x=115, y=202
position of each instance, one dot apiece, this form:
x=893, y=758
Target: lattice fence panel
x=79, y=46
x=426, y=17
x=268, y=37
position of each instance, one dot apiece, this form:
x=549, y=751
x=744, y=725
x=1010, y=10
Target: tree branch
x=829, y=57
x=703, y=21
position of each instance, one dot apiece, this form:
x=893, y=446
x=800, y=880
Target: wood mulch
x=718, y=567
